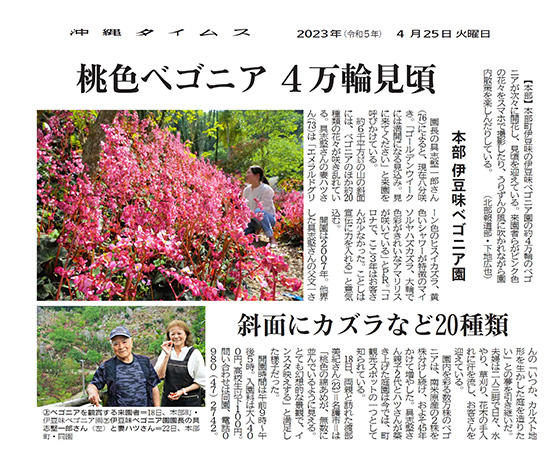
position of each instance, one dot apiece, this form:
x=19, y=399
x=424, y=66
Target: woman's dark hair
x=259, y=171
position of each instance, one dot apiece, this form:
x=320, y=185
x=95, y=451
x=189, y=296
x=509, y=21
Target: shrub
x=290, y=212
x=62, y=338
x=93, y=356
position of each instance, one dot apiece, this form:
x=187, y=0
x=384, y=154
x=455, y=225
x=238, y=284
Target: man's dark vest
x=110, y=374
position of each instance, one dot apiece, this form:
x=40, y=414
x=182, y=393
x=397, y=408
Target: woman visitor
x=181, y=366
x=260, y=197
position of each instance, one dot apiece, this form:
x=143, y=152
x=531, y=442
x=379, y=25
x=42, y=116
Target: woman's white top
x=263, y=193
x=195, y=366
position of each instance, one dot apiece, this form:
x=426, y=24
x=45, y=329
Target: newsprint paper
x=389, y=296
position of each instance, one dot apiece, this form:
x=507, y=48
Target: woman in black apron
x=181, y=367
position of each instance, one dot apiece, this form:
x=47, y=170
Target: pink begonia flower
x=62, y=272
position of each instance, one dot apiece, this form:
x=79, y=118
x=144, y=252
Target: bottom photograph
x=115, y=356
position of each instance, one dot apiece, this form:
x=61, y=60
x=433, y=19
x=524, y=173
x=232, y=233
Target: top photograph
x=170, y=205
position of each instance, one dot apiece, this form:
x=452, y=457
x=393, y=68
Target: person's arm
x=191, y=388
x=93, y=395
x=96, y=384
x=267, y=200
x=183, y=391
x=155, y=396
x=163, y=359
x=197, y=369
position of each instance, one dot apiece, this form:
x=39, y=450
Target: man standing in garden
x=130, y=378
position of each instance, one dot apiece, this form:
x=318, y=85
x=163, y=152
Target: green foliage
x=241, y=156
x=81, y=120
x=199, y=330
x=70, y=365
x=163, y=118
x=201, y=346
x=62, y=338
x=269, y=138
x=48, y=364
x=199, y=325
x=93, y=356
x=155, y=346
x=282, y=157
x=53, y=388
x=76, y=355
x=198, y=130
x=49, y=255
x=237, y=139
x=91, y=314
x=95, y=344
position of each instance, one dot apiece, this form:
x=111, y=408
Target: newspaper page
x=303, y=231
